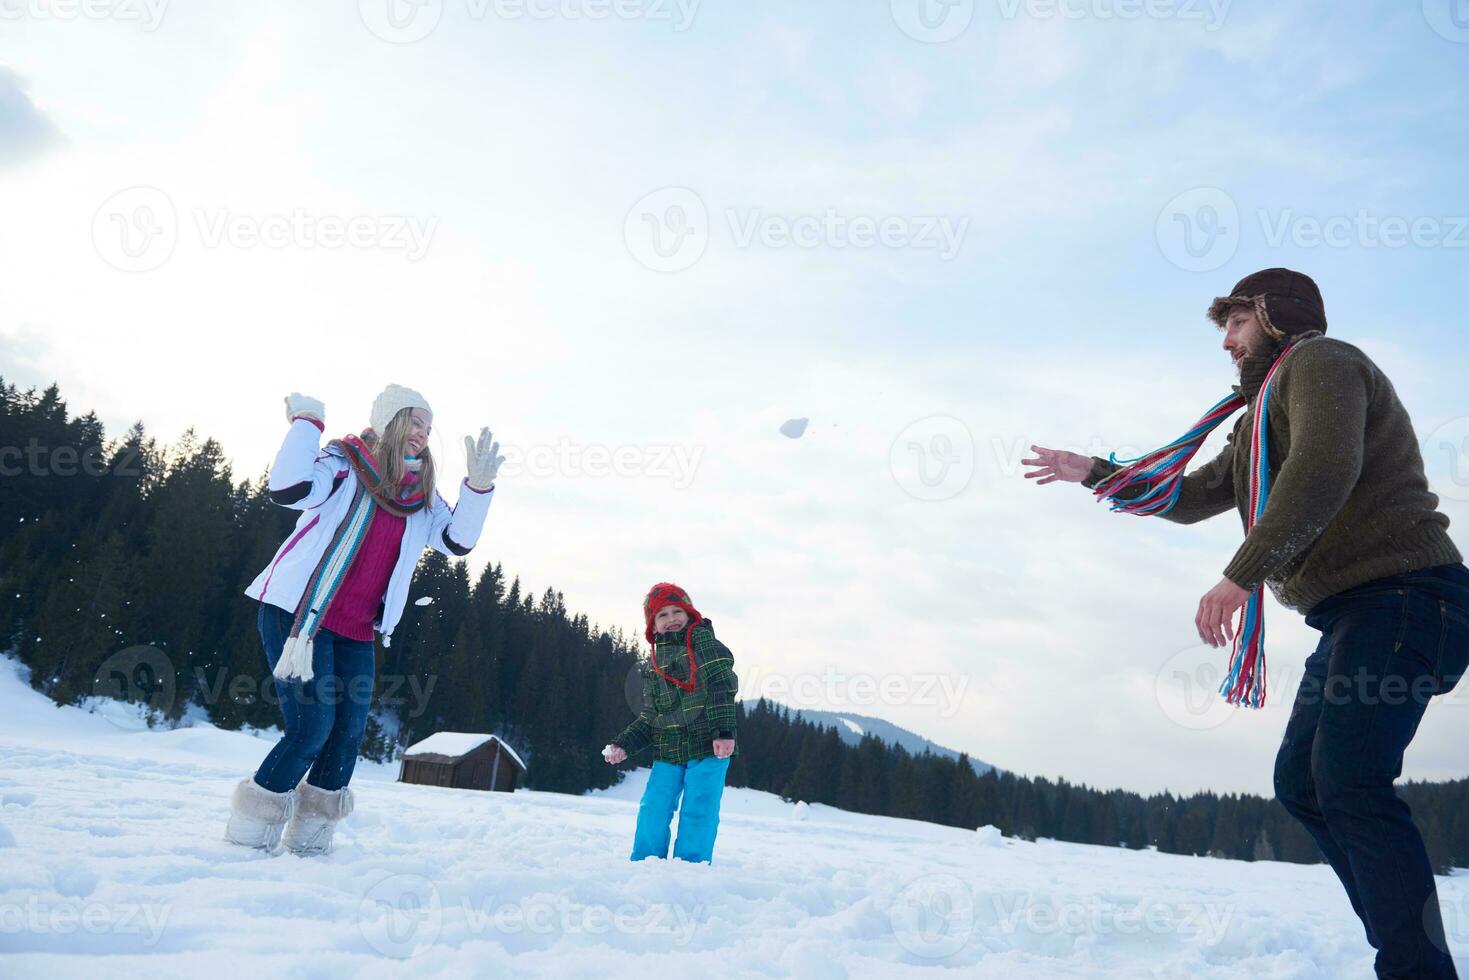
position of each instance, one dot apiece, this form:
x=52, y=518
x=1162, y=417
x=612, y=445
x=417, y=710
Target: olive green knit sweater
x=1349, y=501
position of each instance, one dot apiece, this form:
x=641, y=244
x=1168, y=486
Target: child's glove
x=304, y=406
x=484, y=460
x=613, y=754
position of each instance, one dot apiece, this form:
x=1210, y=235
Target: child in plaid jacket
x=688, y=715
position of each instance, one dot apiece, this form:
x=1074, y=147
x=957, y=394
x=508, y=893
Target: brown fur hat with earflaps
x=1285, y=302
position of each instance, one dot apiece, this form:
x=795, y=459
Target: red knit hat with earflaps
x=668, y=594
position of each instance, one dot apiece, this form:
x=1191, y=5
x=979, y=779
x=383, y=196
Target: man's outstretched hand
x=1215, y=619
x=1057, y=464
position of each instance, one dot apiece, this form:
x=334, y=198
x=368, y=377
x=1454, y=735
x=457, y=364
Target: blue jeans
x=701, y=783
x=325, y=716
x=1387, y=647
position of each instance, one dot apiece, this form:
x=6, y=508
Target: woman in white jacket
x=368, y=509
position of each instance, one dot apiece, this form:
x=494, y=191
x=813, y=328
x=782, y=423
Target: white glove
x=484, y=460
x=305, y=406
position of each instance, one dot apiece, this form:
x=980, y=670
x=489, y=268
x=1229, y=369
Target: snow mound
x=989, y=836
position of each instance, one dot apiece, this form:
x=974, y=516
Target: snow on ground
x=112, y=863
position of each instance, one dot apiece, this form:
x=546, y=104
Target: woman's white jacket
x=320, y=483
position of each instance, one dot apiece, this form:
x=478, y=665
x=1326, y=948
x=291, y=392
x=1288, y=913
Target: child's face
x=669, y=619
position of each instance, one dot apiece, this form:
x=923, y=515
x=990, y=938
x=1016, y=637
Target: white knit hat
x=393, y=400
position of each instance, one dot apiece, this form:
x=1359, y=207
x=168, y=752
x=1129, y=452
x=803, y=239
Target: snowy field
x=112, y=864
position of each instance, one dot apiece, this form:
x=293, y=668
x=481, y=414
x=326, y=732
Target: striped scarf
x=336, y=561
x=1159, y=475
x=359, y=452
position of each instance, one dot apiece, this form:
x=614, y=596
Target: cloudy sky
x=636, y=237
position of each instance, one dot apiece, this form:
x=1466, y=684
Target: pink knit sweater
x=356, y=603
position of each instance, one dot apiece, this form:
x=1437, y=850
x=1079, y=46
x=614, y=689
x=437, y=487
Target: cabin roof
x=457, y=744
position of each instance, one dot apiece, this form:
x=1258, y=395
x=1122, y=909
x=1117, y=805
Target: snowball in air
x=793, y=428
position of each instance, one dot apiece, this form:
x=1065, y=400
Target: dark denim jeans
x=325, y=716
x=1387, y=647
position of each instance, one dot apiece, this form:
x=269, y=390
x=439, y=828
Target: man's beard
x=1265, y=346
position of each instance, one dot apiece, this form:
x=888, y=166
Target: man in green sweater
x=1352, y=537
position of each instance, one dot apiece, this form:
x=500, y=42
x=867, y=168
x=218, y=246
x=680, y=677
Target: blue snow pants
x=701, y=784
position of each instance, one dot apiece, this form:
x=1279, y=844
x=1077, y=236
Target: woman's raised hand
x=483, y=459
x=304, y=406
x=1057, y=464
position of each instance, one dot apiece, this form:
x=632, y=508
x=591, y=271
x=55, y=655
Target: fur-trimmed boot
x=258, y=816
x=317, y=813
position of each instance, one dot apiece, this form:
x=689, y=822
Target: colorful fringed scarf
x=359, y=452
x=336, y=561
x=1159, y=475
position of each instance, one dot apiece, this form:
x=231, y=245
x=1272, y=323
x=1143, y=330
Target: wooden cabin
x=462, y=761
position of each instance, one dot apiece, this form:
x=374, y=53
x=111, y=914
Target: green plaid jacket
x=682, y=725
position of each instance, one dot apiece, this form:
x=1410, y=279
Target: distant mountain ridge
x=851, y=727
